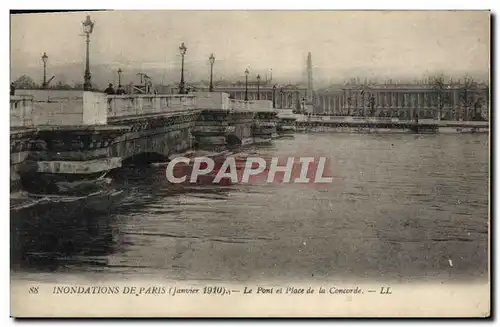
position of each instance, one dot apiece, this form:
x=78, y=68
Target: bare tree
x=25, y=82
x=78, y=86
x=362, y=103
x=487, y=97
x=439, y=89
x=372, y=106
x=349, y=103
x=487, y=94
x=467, y=96
x=298, y=106
x=365, y=93
x=62, y=85
x=481, y=100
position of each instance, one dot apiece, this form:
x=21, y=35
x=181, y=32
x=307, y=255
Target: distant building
x=403, y=101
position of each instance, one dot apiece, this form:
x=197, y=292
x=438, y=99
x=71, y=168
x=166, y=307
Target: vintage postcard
x=250, y=164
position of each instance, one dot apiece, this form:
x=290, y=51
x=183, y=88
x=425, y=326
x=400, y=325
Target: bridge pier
x=265, y=126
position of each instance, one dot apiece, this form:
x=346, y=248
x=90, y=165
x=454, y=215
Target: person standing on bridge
x=12, y=89
x=110, y=90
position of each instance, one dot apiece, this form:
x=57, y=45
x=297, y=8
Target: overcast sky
x=341, y=43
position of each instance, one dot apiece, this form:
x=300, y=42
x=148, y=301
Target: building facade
x=404, y=101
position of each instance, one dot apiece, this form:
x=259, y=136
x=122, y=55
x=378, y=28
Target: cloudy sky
x=343, y=43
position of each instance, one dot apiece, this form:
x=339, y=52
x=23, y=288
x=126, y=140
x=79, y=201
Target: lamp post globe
x=44, y=60
x=211, y=59
x=88, y=28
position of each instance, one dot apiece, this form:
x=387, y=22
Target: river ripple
x=400, y=207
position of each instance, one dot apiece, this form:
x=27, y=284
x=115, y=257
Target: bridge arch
x=144, y=158
x=233, y=140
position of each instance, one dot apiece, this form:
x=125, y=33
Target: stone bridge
x=68, y=135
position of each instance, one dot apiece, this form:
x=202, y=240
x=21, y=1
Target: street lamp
x=258, y=87
x=88, y=27
x=246, y=84
x=182, y=50
x=119, y=71
x=211, y=59
x=44, y=60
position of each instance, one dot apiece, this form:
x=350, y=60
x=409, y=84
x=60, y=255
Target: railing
x=134, y=105
x=139, y=104
x=21, y=110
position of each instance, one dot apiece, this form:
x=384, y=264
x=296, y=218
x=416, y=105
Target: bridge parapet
x=82, y=108
x=144, y=104
x=254, y=105
x=21, y=108
x=212, y=100
x=221, y=101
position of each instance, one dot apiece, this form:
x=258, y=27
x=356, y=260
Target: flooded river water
x=401, y=207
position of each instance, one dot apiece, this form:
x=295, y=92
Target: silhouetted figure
x=12, y=89
x=110, y=90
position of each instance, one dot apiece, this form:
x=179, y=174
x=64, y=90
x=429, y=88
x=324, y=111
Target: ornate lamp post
x=44, y=60
x=246, y=84
x=182, y=50
x=88, y=27
x=258, y=87
x=211, y=59
x=119, y=71
x=274, y=96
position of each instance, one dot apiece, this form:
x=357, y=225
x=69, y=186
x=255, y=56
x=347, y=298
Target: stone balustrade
x=84, y=108
x=80, y=108
x=137, y=105
x=253, y=105
x=239, y=105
